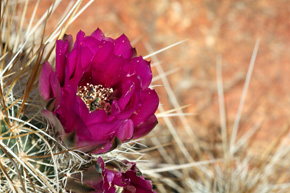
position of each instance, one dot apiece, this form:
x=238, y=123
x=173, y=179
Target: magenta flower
x=128, y=179
x=123, y=177
x=98, y=95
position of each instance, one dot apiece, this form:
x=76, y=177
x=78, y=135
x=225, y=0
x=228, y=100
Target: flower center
x=96, y=97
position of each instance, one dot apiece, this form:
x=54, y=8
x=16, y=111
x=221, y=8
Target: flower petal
x=69, y=39
x=79, y=39
x=86, y=56
x=125, y=131
x=127, y=89
x=123, y=47
x=92, y=43
x=98, y=34
x=141, y=68
x=104, y=52
x=108, y=75
x=48, y=84
x=106, y=147
x=103, y=130
x=150, y=102
x=66, y=115
x=145, y=127
x=93, y=146
x=44, y=83
x=131, y=107
x=71, y=64
x=138, y=183
x=56, y=90
x=62, y=48
x=74, y=70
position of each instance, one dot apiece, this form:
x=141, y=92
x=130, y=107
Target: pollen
x=96, y=97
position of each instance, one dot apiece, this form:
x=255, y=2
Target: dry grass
x=31, y=160
x=175, y=158
x=231, y=166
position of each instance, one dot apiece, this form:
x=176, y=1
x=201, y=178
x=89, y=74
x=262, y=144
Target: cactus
x=28, y=163
x=34, y=158
x=31, y=160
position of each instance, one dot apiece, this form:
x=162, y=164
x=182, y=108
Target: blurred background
x=226, y=29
